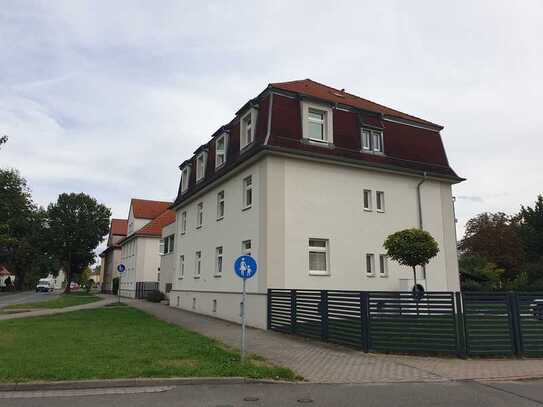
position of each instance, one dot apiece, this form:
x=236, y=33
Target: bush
x=155, y=296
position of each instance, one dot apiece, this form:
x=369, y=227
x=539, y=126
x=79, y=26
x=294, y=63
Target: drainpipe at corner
x=419, y=205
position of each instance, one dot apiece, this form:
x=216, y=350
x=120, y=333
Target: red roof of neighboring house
x=154, y=228
x=145, y=209
x=309, y=87
x=119, y=227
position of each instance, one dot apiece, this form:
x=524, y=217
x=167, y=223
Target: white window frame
x=167, y=245
x=319, y=249
x=247, y=186
x=244, y=250
x=328, y=126
x=380, y=202
x=201, y=162
x=383, y=265
x=185, y=177
x=370, y=145
x=162, y=247
x=199, y=215
x=224, y=138
x=370, y=264
x=181, y=274
x=183, y=222
x=197, y=264
x=219, y=265
x=220, y=205
x=244, y=141
x=369, y=206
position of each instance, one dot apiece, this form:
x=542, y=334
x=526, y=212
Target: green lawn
x=62, y=301
x=115, y=342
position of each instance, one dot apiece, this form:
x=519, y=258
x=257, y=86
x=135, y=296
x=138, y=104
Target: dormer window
x=185, y=174
x=247, y=126
x=372, y=141
x=317, y=123
x=201, y=166
x=220, y=150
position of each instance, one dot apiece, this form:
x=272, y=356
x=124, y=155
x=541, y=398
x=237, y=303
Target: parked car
x=44, y=286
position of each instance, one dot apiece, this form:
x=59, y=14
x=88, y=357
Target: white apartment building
x=310, y=181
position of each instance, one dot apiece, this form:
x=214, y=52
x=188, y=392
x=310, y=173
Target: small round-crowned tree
x=411, y=247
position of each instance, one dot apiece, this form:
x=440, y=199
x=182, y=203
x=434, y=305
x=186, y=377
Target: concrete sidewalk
x=326, y=363
x=106, y=299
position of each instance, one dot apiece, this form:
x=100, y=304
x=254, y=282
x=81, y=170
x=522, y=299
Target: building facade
x=140, y=249
x=111, y=256
x=167, y=256
x=310, y=180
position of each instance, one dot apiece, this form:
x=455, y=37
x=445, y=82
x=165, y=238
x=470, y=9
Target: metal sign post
x=121, y=269
x=245, y=267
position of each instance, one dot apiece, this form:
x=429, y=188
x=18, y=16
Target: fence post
x=461, y=348
x=514, y=318
x=293, y=311
x=269, y=309
x=323, y=309
x=364, y=321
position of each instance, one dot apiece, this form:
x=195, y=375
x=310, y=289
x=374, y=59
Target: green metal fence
x=470, y=323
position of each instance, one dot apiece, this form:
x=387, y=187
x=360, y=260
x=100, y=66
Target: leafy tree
x=531, y=230
x=3, y=140
x=77, y=224
x=411, y=247
x=22, y=229
x=495, y=237
x=477, y=274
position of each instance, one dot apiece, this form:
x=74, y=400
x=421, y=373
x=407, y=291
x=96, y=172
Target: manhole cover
x=251, y=399
x=305, y=401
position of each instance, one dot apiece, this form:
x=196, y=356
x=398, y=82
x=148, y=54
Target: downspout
x=419, y=206
x=419, y=200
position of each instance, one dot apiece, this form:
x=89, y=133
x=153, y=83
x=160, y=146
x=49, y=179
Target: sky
x=109, y=97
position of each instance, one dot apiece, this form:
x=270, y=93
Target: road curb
x=113, y=383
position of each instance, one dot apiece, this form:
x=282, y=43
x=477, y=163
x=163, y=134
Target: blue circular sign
x=245, y=267
x=121, y=268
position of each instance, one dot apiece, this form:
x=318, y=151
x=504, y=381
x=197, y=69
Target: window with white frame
x=247, y=192
x=317, y=123
x=201, y=166
x=185, y=174
x=184, y=222
x=380, y=201
x=246, y=247
x=247, y=129
x=161, y=247
x=167, y=245
x=370, y=264
x=198, y=264
x=181, y=267
x=318, y=257
x=367, y=200
x=220, y=205
x=372, y=140
x=218, y=261
x=199, y=215
x=220, y=150
x=383, y=265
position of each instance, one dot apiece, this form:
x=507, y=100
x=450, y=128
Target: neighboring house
x=310, y=180
x=111, y=256
x=140, y=249
x=4, y=274
x=167, y=255
x=59, y=282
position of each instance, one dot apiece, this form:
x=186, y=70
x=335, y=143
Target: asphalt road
x=447, y=394
x=24, y=297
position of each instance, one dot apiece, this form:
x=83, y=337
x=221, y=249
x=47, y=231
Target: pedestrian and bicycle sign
x=121, y=268
x=245, y=267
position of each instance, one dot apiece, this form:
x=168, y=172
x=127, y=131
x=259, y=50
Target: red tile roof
x=154, y=228
x=309, y=87
x=119, y=227
x=145, y=209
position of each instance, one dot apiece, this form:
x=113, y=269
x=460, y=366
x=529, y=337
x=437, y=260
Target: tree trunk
x=68, y=270
x=19, y=280
x=415, y=275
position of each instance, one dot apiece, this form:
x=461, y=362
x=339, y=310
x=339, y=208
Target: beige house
x=140, y=249
x=309, y=180
x=111, y=256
